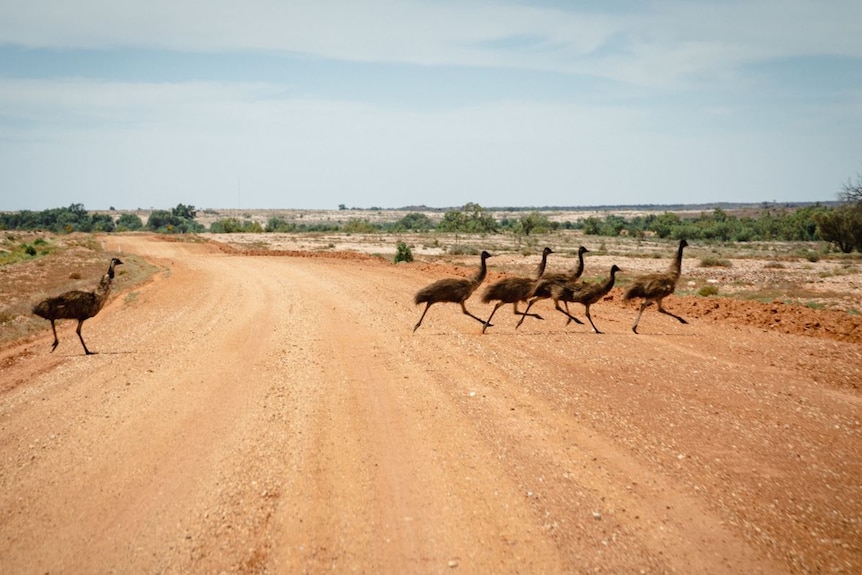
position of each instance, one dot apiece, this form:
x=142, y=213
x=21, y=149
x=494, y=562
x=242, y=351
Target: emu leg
x=78, y=331
x=664, y=311
x=424, y=311
x=525, y=314
x=567, y=314
x=488, y=321
x=56, y=341
x=589, y=317
x=479, y=319
x=638, y=318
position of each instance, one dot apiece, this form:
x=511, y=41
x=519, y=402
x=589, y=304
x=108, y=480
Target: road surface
x=254, y=414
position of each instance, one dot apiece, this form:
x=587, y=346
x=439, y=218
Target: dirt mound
x=786, y=318
x=778, y=316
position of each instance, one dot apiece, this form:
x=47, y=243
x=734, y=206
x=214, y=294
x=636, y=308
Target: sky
x=391, y=103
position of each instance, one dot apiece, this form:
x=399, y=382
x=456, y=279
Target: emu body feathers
x=451, y=290
x=77, y=304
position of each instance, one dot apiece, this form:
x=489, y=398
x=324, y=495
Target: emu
x=542, y=289
x=657, y=286
x=514, y=290
x=585, y=293
x=77, y=304
x=451, y=290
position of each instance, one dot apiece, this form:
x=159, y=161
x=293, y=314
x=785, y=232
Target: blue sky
x=279, y=104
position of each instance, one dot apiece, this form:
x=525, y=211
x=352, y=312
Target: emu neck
x=540, y=271
x=610, y=282
x=579, y=269
x=483, y=271
x=105, y=283
x=676, y=266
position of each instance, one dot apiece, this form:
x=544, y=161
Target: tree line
x=75, y=218
x=840, y=226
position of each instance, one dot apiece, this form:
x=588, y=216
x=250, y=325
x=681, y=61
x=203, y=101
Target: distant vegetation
x=839, y=225
x=798, y=225
x=178, y=220
x=59, y=220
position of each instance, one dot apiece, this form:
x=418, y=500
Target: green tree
x=165, y=221
x=842, y=226
x=129, y=222
x=664, y=224
x=534, y=222
x=184, y=212
x=414, y=221
x=101, y=223
x=472, y=218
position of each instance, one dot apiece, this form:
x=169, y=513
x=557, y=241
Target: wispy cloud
x=649, y=42
x=428, y=102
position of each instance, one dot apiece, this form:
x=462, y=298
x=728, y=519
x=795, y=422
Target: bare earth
x=260, y=414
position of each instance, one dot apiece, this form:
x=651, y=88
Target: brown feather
x=586, y=293
x=451, y=290
x=657, y=286
x=542, y=290
x=77, y=304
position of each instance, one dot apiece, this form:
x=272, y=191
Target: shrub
x=359, y=227
x=235, y=226
x=130, y=222
x=708, y=290
x=414, y=221
x=812, y=257
x=714, y=262
x=403, y=253
x=463, y=250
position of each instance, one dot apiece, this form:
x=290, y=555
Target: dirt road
x=278, y=415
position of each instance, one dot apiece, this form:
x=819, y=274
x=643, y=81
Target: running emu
x=543, y=290
x=655, y=287
x=76, y=304
x=586, y=293
x=451, y=290
x=514, y=290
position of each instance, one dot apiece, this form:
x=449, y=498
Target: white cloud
x=661, y=41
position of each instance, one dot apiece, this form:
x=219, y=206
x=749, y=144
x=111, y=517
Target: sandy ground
x=260, y=414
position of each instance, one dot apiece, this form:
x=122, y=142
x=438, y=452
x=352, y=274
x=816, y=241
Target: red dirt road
x=257, y=414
